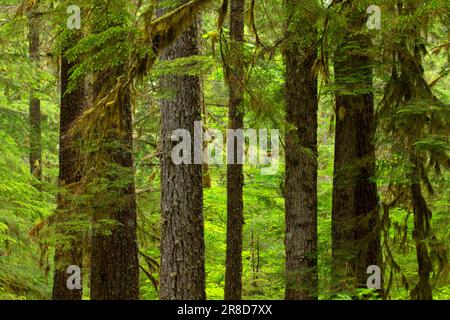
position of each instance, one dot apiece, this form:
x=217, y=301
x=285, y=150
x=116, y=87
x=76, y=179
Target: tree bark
x=35, y=104
x=72, y=105
x=421, y=234
x=182, y=267
x=301, y=157
x=355, y=235
x=235, y=177
x=114, y=257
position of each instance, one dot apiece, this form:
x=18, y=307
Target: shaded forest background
x=44, y=64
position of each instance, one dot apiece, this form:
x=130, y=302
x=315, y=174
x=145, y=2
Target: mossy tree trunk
x=69, y=251
x=421, y=235
x=114, y=256
x=300, y=55
x=114, y=250
x=355, y=236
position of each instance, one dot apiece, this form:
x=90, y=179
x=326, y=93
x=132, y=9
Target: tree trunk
x=235, y=177
x=355, y=235
x=114, y=256
x=301, y=157
x=182, y=267
x=421, y=233
x=72, y=105
x=35, y=104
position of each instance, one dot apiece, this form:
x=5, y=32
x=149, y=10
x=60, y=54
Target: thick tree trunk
x=35, y=104
x=72, y=105
x=182, y=267
x=114, y=257
x=235, y=177
x=355, y=236
x=301, y=157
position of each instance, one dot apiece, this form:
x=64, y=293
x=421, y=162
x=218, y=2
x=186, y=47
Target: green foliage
x=123, y=39
x=20, y=206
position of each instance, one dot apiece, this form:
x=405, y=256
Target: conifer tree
x=355, y=217
x=300, y=54
x=69, y=251
x=234, y=69
x=182, y=268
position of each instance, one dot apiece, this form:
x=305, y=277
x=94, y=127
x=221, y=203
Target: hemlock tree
x=234, y=70
x=182, y=267
x=355, y=236
x=114, y=256
x=416, y=122
x=69, y=251
x=114, y=251
x=300, y=54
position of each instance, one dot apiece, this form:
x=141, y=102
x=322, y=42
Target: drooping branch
x=159, y=34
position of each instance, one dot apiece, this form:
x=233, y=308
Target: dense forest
x=224, y=149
